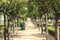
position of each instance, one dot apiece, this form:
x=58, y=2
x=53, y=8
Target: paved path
x=28, y=34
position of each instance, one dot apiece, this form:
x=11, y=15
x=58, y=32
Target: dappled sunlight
x=29, y=24
x=29, y=19
x=28, y=33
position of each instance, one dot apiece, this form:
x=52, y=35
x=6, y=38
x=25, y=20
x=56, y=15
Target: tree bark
x=41, y=26
x=4, y=27
x=8, y=28
x=46, y=21
x=56, y=30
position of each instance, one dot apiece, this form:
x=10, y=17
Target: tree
x=55, y=8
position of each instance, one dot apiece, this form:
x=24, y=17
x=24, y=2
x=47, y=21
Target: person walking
x=22, y=24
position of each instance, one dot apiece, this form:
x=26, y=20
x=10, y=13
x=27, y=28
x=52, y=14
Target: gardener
x=22, y=24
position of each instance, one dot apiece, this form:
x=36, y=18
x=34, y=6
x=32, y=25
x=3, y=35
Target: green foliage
x=34, y=7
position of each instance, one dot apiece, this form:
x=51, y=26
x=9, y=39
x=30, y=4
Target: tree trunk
x=13, y=26
x=41, y=26
x=4, y=26
x=54, y=7
x=56, y=30
x=8, y=28
x=46, y=21
x=17, y=22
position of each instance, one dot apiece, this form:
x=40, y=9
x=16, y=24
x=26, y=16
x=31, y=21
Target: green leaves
x=31, y=8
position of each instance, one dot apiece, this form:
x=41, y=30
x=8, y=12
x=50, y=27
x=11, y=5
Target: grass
x=1, y=30
x=1, y=33
x=51, y=28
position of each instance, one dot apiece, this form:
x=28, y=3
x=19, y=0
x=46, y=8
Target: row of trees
x=33, y=9
x=49, y=8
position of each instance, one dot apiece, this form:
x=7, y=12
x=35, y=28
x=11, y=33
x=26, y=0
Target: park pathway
x=30, y=33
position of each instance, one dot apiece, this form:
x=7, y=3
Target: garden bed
x=51, y=32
